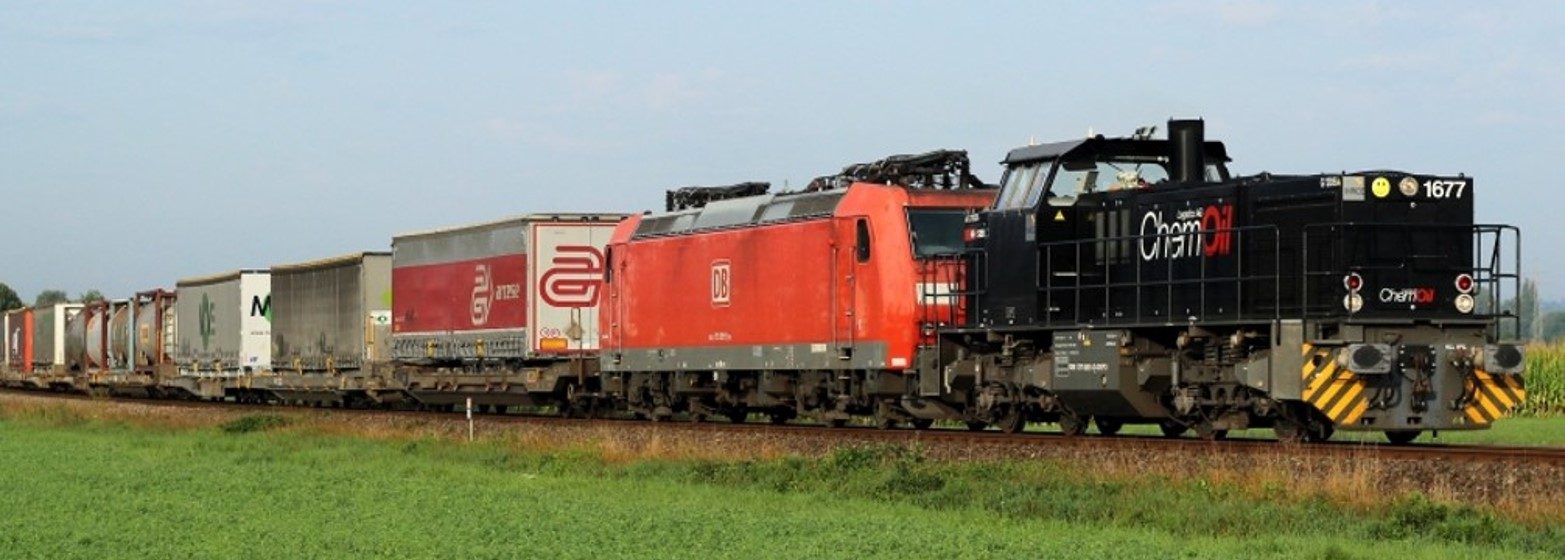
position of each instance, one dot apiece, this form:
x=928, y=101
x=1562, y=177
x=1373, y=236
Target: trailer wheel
x=923, y=423
x=1107, y=426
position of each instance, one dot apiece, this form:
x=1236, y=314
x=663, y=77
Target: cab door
x=851, y=255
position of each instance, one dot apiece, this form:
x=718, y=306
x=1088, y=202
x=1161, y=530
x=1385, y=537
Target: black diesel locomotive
x=1133, y=280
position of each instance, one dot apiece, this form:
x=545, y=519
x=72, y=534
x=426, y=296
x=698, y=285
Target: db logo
x=574, y=278
x=481, y=288
x=722, y=283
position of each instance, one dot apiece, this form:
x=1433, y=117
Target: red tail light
x=1464, y=283
x=1353, y=282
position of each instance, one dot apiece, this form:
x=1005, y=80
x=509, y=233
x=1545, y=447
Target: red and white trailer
x=502, y=309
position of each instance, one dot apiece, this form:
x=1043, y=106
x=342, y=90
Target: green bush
x=254, y=423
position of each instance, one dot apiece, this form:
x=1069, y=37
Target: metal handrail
x=1488, y=268
x=1239, y=279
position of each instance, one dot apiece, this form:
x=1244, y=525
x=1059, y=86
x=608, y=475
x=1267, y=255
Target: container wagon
x=504, y=312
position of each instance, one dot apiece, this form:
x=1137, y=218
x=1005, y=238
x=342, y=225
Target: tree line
x=10, y=300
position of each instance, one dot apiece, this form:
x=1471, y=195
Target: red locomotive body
x=821, y=281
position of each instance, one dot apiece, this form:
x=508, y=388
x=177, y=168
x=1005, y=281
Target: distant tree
x=50, y=297
x=1525, y=306
x=90, y=296
x=8, y=298
x=1553, y=326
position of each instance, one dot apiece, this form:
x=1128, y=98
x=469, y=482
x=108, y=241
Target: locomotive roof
x=1215, y=151
x=746, y=210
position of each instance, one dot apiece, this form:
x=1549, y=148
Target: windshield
x=1020, y=182
x=1076, y=177
x=1114, y=174
x=936, y=232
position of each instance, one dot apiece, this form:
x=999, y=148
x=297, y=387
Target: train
x=1103, y=281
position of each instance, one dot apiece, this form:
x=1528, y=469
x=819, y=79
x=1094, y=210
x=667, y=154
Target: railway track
x=1016, y=443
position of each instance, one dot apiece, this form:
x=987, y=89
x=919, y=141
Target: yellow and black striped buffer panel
x=1493, y=396
x=1334, y=391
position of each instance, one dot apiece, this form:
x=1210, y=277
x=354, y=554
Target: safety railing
x=1087, y=282
x=1489, y=253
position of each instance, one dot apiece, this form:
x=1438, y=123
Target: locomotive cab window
x=1020, y=184
x=1112, y=174
x=861, y=239
x=936, y=232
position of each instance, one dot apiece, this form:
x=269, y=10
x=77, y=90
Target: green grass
x=88, y=489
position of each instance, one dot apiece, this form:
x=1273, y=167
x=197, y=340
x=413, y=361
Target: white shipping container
x=224, y=323
x=566, y=270
x=49, y=333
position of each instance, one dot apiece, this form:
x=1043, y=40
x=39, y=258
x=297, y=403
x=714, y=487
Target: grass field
x=259, y=488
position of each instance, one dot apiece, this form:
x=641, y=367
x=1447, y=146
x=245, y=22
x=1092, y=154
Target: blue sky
x=142, y=142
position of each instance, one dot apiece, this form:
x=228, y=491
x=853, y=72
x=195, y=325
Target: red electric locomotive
x=811, y=302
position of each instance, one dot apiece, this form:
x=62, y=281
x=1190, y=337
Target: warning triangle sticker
x=1059, y=215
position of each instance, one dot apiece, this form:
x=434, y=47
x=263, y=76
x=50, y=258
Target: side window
x=1040, y=186
x=861, y=240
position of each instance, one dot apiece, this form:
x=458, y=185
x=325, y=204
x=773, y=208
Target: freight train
x=1103, y=281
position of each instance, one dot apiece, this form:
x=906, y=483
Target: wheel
x=778, y=419
x=738, y=415
x=1172, y=428
x=697, y=417
x=1108, y=427
x=1318, y=430
x=976, y=426
x=883, y=418
x=1072, y=425
x=923, y=423
x=837, y=422
x=1204, y=430
x=1402, y=437
x=1288, y=431
x=1013, y=422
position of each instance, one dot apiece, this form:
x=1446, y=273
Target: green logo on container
x=261, y=308
x=208, y=316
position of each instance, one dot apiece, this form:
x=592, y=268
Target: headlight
x=1353, y=303
x=1464, y=303
x=1503, y=358
x=1366, y=358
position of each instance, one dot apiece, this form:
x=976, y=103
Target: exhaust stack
x=1188, y=139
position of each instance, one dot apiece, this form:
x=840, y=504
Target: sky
x=143, y=142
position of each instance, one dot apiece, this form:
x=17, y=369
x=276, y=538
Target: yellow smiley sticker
x=1381, y=187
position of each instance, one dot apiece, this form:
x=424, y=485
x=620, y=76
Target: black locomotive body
x=1133, y=280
